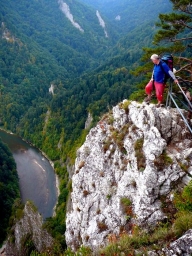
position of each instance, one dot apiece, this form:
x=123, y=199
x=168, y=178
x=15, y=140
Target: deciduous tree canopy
x=9, y=187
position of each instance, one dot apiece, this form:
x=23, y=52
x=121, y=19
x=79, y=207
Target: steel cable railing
x=185, y=102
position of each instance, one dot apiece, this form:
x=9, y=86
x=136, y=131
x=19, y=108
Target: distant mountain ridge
x=126, y=15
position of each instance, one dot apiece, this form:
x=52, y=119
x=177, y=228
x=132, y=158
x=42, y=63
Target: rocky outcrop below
x=27, y=234
x=182, y=246
x=132, y=160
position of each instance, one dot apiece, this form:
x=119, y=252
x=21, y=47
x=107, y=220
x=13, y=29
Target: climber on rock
x=160, y=70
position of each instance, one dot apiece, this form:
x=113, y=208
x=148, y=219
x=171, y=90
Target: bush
x=138, y=146
x=102, y=226
x=162, y=161
x=127, y=206
x=183, y=201
x=182, y=223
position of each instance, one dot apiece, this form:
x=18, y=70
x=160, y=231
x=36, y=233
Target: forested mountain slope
x=71, y=33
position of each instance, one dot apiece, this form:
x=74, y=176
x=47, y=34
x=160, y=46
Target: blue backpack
x=168, y=59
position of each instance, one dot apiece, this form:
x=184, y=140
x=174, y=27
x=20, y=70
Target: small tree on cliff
x=176, y=28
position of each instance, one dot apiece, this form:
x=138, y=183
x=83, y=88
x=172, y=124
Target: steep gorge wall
x=134, y=154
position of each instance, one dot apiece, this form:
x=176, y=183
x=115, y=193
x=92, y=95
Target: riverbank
x=41, y=162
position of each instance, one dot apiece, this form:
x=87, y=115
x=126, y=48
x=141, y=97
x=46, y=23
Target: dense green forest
x=9, y=188
x=42, y=25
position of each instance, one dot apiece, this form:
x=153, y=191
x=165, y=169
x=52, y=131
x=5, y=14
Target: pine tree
x=174, y=36
x=176, y=29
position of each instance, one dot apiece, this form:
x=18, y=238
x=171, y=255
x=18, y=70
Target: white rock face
x=101, y=22
x=124, y=157
x=51, y=89
x=66, y=10
x=118, y=17
x=6, y=34
x=88, y=121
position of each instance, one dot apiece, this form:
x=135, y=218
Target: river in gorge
x=37, y=179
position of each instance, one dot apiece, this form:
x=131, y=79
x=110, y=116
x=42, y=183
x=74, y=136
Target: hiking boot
x=147, y=99
x=159, y=105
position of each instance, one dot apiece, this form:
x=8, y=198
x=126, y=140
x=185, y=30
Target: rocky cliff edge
x=131, y=161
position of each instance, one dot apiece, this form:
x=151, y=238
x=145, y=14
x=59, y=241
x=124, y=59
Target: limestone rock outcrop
x=135, y=154
x=27, y=234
